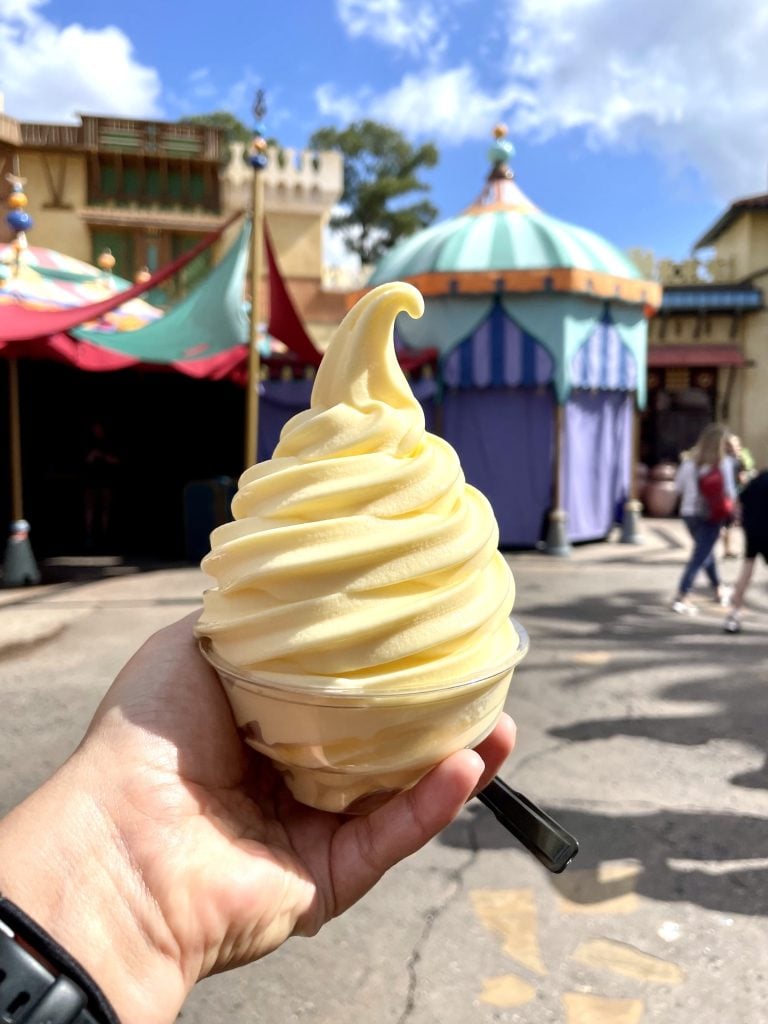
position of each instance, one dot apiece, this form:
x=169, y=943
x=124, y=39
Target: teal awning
x=210, y=320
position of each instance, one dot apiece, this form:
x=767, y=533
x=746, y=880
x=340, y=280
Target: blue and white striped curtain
x=498, y=354
x=604, y=362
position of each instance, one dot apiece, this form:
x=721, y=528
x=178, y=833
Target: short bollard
x=19, y=565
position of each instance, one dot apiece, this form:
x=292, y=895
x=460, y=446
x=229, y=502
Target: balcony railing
x=53, y=136
x=118, y=135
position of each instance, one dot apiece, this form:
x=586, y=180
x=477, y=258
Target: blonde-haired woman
x=708, y=452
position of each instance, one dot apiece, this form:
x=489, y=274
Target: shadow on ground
x=716, y=860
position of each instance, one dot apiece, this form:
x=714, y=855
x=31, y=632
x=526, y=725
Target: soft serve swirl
x=359, y=556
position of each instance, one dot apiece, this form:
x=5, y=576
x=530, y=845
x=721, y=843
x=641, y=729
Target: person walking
x=744, y=470
x=705, y=464
x=754, y=521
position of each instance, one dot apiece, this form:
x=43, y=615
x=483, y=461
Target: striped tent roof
x=46, y=279
x=502, y=231
x=513, y=239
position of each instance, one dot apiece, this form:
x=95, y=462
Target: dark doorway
x=681, y=402
x=163, y=429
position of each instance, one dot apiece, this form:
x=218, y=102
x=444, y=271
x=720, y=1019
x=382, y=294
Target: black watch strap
x=32, y=992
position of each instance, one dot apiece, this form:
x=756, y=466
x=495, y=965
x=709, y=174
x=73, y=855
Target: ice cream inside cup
x=346, y=749
x=360, y=566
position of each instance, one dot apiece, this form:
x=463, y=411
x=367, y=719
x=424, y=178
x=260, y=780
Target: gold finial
x=500, y=130
x=106, y=260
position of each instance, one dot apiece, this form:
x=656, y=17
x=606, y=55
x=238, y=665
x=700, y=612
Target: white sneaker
x=732, y=624
x=684, y=607
x=723, y=596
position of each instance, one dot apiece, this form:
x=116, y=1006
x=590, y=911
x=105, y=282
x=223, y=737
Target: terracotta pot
x=659, y=496
x=663, y=471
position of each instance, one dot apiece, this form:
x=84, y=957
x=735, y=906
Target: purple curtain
x=278, y=401
x=281, y=399
x=504, y=437
x=597, y=455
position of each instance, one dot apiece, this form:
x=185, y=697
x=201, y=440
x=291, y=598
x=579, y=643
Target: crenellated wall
x=295, y=181
x=300, y=190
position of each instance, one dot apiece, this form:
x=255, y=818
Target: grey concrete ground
x=644, y=732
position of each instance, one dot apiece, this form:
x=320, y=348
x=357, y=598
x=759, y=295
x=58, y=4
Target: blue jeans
x=702, y=557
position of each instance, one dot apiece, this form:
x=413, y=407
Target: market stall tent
x=59, y=317
x=541, y=328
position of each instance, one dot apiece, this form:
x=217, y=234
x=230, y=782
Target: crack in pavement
x=455, y=881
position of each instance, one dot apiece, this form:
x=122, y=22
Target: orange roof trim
x=555, y=279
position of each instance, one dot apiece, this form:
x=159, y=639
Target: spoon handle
x=540, y=834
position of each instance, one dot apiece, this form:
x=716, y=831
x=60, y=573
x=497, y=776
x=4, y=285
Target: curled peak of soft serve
x=359, y=555
x=360, y=364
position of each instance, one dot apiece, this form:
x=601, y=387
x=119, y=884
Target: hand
x=171, y=851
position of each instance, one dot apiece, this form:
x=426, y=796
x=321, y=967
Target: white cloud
x=52, y=73
x=402, y=24
x=343, y=108
x=644, y=73
x=449, y=105
x=690, y=85
x=200, y=86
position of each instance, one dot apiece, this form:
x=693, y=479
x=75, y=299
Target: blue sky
x=638, y=119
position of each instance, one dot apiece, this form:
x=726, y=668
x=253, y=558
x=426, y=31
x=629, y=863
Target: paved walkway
x=643, y=731
x=30, y=615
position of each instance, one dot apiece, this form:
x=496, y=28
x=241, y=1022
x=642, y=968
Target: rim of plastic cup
x=352, y=688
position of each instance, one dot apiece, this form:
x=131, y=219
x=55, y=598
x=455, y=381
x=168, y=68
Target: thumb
x=365, y=848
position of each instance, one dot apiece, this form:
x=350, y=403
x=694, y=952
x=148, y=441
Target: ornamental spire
x=500, y=191
x=17, y=218
x=499, y=154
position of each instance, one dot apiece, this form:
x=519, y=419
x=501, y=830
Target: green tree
x=380, y=169
x=233, y=126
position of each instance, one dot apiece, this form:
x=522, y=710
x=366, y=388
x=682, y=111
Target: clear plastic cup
x=349, y=751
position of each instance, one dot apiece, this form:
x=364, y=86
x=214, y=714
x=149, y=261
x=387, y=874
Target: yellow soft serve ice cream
x=360, y=562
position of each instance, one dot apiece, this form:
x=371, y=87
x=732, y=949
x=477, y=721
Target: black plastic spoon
x=539, y=833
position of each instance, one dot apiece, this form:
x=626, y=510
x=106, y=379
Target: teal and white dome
x=502, y=231
x=504, y=257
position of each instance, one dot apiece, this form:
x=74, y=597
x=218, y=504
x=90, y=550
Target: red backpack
x=718, y=506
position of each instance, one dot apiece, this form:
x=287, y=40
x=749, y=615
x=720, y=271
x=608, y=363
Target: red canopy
x=284, y=322
x=695, y=355
x=62, y=348
x=36, y=334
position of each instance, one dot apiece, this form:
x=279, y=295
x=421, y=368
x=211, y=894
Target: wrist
x=65, y=862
